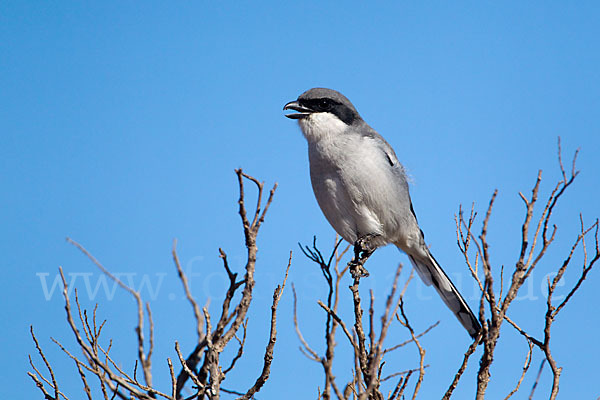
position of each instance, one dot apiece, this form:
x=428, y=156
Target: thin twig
x=525, y=369
x=463, y=366
x=188, y=293
x=268, y=358
x=537, y=379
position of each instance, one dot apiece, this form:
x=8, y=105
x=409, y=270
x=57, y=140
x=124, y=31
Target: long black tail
x=431, y=273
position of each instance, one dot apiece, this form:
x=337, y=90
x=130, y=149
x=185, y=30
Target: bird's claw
x=365, y=245
x=363, y=248
x=357, y=270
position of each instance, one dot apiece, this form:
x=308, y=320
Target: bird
x=362, y=189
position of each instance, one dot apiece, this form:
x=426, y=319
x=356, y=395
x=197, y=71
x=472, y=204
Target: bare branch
x=426, y=331
x=529, y=257
x=272, y=338
x=250, y=233
x=586, y=267
x=537, y=379
x=400, y=394
x=407, y=325
x=187, y=369
x=86, y=387
x=188, y=293
x=40, y=386
x=463, y=366
x=144, y=360
x=339, y=321
x=241, y=344
x=314, y=254
x=173, y=379
x=305, y=346
x=525, y=368
x=54, y=385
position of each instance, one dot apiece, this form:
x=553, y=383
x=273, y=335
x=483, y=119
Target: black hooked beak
x=303, y=111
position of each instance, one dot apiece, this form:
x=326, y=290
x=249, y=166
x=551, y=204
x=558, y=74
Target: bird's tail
x=431, y=273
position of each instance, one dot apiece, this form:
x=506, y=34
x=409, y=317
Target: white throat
x=320, y=126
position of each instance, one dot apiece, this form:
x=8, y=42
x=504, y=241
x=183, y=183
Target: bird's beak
x=303, y=112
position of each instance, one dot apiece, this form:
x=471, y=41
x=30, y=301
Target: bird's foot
x=357, y=270
x=363, y=248
x=364, y=245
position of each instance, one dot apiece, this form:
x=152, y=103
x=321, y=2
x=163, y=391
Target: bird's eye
x=325, y=104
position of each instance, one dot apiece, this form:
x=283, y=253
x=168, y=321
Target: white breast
x=350, y=177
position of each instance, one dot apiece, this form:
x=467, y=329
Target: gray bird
x=362, y=189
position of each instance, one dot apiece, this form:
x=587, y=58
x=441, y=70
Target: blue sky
x=122, y=124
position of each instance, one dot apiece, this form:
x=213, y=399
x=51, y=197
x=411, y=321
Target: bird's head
x=321, y=103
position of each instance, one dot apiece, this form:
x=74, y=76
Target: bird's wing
x=431, y=273
x=385, y=147
x=426, y=266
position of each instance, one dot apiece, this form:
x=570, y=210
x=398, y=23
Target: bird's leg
x=363, y=248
